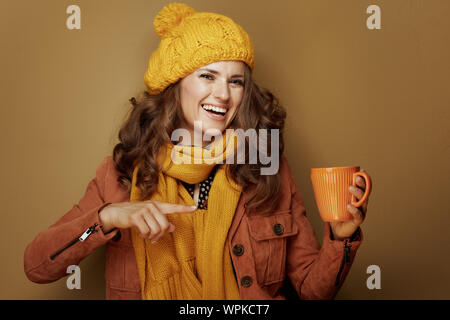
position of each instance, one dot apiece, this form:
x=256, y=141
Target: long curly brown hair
x=152, y=119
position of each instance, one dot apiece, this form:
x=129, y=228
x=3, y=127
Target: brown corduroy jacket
x=275, y=256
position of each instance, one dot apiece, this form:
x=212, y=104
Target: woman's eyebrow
x=217, y=72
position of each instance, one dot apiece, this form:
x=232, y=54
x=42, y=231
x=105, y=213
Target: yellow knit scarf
x=193, y=262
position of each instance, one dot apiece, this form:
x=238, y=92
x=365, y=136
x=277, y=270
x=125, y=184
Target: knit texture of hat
x=190, y=40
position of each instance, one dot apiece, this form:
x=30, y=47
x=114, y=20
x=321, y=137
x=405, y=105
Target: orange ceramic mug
x=332, y=194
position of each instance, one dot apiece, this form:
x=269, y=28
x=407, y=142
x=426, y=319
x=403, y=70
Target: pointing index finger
x=166, y=207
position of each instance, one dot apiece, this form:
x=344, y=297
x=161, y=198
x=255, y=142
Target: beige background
x=375, y=98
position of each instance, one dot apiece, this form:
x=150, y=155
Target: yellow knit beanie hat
x=190, y=40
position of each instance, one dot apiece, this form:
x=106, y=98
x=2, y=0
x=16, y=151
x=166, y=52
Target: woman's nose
x=222, y=91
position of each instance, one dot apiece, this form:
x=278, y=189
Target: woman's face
x=212, y=94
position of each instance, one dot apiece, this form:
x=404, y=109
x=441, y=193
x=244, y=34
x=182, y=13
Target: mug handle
x=366, y=177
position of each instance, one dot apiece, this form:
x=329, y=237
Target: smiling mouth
x=214, y=110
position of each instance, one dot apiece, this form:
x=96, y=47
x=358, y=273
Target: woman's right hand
x=149, y=217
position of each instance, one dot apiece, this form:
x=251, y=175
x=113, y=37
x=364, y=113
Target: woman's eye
x=211, y=77
x=238, y=82
x=206, y=76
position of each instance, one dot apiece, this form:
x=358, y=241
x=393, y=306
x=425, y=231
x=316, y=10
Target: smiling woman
x=212, y=95
x=201, y=97
x=203, y=229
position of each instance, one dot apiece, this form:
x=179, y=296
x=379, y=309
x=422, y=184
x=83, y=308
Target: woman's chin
x=213, y=131
x=212, y=127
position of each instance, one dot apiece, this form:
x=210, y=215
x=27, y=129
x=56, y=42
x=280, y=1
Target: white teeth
x=214, y=108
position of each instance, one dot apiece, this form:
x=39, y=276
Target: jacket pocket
x=268, y=237
x=121, y=271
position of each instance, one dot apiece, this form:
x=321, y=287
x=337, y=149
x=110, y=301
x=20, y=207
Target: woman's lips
x=212, y=115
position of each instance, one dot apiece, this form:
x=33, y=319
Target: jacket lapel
x=240, y=210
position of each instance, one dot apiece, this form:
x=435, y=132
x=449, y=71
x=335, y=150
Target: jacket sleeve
x=317, y=272
x=47, y=257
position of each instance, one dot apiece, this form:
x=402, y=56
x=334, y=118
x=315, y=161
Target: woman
x=211, y=227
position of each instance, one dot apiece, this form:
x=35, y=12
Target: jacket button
x=278, y=229
x=238, y=250
x=246, y=281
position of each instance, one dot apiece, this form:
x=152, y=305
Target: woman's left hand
x=344, y=229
